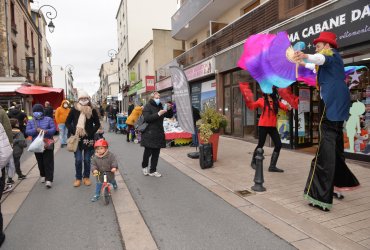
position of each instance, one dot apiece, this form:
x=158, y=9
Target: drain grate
x=244, y=193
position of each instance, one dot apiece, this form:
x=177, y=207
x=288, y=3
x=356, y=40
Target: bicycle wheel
x=106, y=195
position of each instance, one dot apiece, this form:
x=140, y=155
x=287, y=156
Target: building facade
x=109, y=86
x=303, y=20
x=62, y=77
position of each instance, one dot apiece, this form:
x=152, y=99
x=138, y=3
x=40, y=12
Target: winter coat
x=91, y=126
x=20, y=116
x=6, y=150
x=19, y=143
x=153, y=136
x=268, y=117
x=130, y=109
x=134, y=116
x=45, y=123
x=61, y=113
x=4, y=120
x=48, y=111
x=105, y=163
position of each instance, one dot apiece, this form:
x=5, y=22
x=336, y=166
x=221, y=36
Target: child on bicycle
x=103, y=161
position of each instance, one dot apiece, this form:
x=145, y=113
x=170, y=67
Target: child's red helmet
x=101, y=143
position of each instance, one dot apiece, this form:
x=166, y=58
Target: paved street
x=62, y=217
x=181, y=214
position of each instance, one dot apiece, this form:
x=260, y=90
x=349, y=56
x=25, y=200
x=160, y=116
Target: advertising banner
x=182, y=99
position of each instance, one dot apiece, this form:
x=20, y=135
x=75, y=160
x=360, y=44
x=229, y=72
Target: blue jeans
x=99, y=185
x=87, y=153
x=63, y=131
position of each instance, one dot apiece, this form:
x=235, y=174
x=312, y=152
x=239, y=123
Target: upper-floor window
x=25, y=33
x=291, y=4
x=250, y=7
x=25, y=2
x=138, y=71
x=12, y=13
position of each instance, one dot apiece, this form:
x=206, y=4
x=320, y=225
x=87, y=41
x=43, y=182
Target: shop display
x=174, y=133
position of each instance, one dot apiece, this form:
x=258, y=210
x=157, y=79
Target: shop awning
x=37, y=90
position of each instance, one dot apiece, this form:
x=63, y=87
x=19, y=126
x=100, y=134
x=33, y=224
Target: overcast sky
x=84, y=32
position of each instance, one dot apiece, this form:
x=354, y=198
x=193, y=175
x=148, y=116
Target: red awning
x=36, y=90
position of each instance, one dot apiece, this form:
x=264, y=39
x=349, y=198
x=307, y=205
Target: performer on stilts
x=329, y=172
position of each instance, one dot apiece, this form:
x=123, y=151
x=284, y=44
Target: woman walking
x=45, y=160
x=267, y=124
x=83, y=121
x=153, y=139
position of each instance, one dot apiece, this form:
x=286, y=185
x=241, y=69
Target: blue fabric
x=46, y=123
x=98, y=188
x=333, y=88
x=85, y=157
x=63, y=132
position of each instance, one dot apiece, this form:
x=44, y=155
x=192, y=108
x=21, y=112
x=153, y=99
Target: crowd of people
x=82, y=120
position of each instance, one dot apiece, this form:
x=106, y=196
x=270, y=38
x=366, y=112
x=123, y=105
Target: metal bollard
x=258, y=177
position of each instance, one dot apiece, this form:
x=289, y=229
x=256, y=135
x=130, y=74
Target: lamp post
x=112, y=53
x=52, y=14
x=68, y=67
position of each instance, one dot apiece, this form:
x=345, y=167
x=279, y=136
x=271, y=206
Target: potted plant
x=209, y=128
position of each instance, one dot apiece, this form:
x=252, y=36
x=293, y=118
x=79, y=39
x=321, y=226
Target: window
x=25, y=34
x=250, y=7
x=193, y=43
x=291, y=4
x=33, y=46
x=15, y=56
x=138, y=71
x=12, y=15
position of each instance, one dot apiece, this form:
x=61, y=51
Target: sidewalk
x=282, y=208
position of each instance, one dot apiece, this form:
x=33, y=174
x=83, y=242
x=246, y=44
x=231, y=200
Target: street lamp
x=112, y=53
x=68, y=67
x=50, y=15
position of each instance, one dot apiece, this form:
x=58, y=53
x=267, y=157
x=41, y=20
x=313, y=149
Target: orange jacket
x=135, y=114
x=61, y=113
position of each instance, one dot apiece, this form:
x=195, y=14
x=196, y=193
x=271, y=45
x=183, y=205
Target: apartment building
x=143, y=65
x=109, y=83
x=63, y=78
x=215, y=31
x=135, y=21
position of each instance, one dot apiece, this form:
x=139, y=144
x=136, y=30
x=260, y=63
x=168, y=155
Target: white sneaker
x=156, y=174
x=145, y=171
x=48, y=184
x=42, y=179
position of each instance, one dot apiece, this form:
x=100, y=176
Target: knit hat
x=38, y=108
x=82, y=94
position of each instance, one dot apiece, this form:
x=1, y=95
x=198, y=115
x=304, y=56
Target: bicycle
x=105, y=190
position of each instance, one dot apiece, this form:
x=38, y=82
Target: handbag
x=72, y=143
x=141, y=125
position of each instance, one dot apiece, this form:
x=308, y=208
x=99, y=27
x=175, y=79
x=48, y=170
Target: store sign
x=200, y=70
x=30, y=64
x=149, y=83
x=350, y=23
x=135, y=88
x=164, y=84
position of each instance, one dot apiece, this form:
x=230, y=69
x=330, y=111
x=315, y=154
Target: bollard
x=258, y=177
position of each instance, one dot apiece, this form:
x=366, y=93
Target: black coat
x=153, y=136
x=91, y=126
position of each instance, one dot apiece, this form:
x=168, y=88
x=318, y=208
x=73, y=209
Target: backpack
x=6, y=150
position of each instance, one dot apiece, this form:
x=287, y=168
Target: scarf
x=85, y=113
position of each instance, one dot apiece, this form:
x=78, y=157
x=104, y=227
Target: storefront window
x=356, y=139
x=304, y=116
x=283, y=126
x=227, y=101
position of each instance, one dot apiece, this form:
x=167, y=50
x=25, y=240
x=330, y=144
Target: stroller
x=121, y=123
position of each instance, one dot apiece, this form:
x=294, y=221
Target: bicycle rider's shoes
x=95, y=198
x=86, y=181
x=77, y=183
x=114, y=184
x=155, y=174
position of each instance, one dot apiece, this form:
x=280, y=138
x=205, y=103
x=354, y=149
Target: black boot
x=274, y=159
x=253, y=163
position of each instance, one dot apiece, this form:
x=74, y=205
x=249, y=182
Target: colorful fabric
x=265, y=58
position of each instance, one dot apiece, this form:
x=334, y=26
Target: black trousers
x=328, y=168
x=17, y=164
x=45, y=162
x=2, y=184
x=272, y=131
x=154, y=153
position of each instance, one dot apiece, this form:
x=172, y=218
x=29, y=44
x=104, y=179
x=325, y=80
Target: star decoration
x=355, y=77
x=309, y=45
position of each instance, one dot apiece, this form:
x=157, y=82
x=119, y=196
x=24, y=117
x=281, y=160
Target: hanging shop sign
x=149, y=83
x=351, y=24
